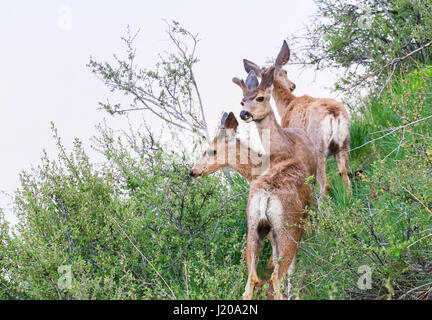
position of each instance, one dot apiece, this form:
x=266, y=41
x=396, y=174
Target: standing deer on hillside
x=278, y=197
x=325, y=121
x=227, y=150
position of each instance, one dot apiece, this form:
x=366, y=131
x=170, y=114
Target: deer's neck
x=248, y=162
x=273, y=137
x=282, y=96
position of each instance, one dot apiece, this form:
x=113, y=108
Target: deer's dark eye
x=260, y=99
x=242, y=103
x=211, y=153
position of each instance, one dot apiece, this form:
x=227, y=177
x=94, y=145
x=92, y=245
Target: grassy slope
x=387, y=224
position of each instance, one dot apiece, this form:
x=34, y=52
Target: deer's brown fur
x=230, y=151
x=278, y=197
x=226, y=141
x=325, y=121
x=276, y=204
x=209, y=164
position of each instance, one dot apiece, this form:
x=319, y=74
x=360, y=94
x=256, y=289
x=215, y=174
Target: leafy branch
x=169, y=90
x=363, y=38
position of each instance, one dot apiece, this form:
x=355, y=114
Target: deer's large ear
x=231, y=121
x=249, y=65
x=224, y=118
x=267, y=78
x=283, y=56
x=251, y=80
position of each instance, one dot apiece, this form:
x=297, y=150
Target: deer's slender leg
x=288, y=286
x=270, y=264
x=253, y=248
x=286, y=244
x=321, y=175
x=342, y=162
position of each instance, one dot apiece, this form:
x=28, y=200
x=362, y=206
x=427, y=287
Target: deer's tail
x=263, y=228
x=263, y=223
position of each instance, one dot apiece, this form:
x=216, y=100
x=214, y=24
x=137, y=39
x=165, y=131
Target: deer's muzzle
x=246, y=115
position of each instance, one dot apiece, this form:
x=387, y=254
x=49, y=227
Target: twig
x=393, y=62
x=142, y=255
x=419, y=240
x=418, y=200
x=371, y=226
x=413, y=289
x=392, y=131
x=398, y=147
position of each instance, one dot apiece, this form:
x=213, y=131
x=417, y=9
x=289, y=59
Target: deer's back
x=304, y=149
x=283, y=173
x=322, y=119
x=282, y=188
x=302, y=110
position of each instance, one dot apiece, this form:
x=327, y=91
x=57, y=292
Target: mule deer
x=278, y=197
x=226, y=150
x=325, y=121
x=254, y=163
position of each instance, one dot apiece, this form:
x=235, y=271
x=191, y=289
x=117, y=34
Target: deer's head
x=256, y=95
x=217, y=156
x=280, y=75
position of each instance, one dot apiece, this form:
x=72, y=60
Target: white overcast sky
x=43, y=73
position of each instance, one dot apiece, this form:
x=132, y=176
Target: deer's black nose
x=244, y=115
x=191, y=173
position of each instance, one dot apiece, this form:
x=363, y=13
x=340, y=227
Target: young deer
x=254, y=163
x=278, y=197
x=226, y=150
x=325, y=121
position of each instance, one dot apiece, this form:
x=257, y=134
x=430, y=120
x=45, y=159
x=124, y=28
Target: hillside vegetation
x=136, y=226
x=386, y=225
x=139, y=228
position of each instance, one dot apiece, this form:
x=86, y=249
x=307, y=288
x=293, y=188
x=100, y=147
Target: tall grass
x=185, y=240
x=387, y=223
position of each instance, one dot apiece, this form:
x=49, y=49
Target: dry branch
x=391, y=132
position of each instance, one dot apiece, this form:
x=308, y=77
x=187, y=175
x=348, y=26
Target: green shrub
x=137, y=227
x=386, y=224
x=134, y=228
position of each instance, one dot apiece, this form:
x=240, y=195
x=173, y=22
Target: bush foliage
x=362, y=37
x=137, y=227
